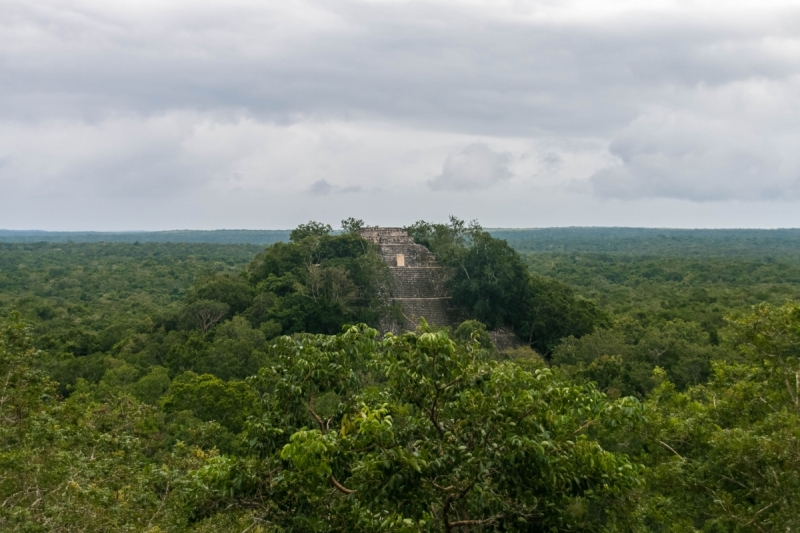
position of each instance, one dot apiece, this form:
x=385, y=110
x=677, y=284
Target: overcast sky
x=146, y=115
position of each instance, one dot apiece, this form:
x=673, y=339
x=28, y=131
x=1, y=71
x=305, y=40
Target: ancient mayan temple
x=418, y=280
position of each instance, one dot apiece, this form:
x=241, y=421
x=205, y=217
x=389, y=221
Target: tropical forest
x=592, y=380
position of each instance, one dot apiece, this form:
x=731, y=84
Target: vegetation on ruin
x=491, y=282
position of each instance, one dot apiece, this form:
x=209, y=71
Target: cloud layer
x=154, y=106
x=474, y=168
x=737, y=142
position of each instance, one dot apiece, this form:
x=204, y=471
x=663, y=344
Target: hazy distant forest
x=235, y=382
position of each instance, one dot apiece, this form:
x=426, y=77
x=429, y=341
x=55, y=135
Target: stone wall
x=419, y=286
x=386, y=235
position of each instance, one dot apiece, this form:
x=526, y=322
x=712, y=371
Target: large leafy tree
x=553, y=312
x=317, y=282
x=212, y=399
x=490, y=283
x=419, y=433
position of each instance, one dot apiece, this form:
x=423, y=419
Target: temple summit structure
x=418, y=280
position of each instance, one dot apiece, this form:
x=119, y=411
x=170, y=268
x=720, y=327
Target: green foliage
x=491, y=283
x=312, y=229
x=525, y=357
x=151, y=387
x=656, y=242
x=175, y=237
x=317, y=282
x=668, y=311
x=211, y=399
x=205, y=314
x=472, y=330
x=121, y=411
x=448, y=241
x=233, y=291
x=237, y=348
x=555, y=312
x=80, y=465
x=655, y=289
x=448, y=438
x=92, y=305
x=352, y=225
x=621, y=361
x=771, y=336
x=23, y=386
x=650, y=241
x=301, y=370
x=724, y=455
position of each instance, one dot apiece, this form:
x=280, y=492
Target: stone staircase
x=418, y=280
x=436, y=312
x=415, y=255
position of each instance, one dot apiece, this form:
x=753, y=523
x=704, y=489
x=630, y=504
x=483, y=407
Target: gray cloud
x=324, y=188
x=719, y=152
x=552, y=161
x=474, y=168
x=320, y=188
x=124, y=158
x=463, y=69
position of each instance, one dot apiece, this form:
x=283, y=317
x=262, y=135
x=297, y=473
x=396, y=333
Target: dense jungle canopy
x=152, y=386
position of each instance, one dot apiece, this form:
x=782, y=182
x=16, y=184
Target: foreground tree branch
x=340, y=487
x=484, y=522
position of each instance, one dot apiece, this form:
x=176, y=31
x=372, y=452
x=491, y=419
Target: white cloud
x=474, y=168
x=737, y=142
x=124, y=157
